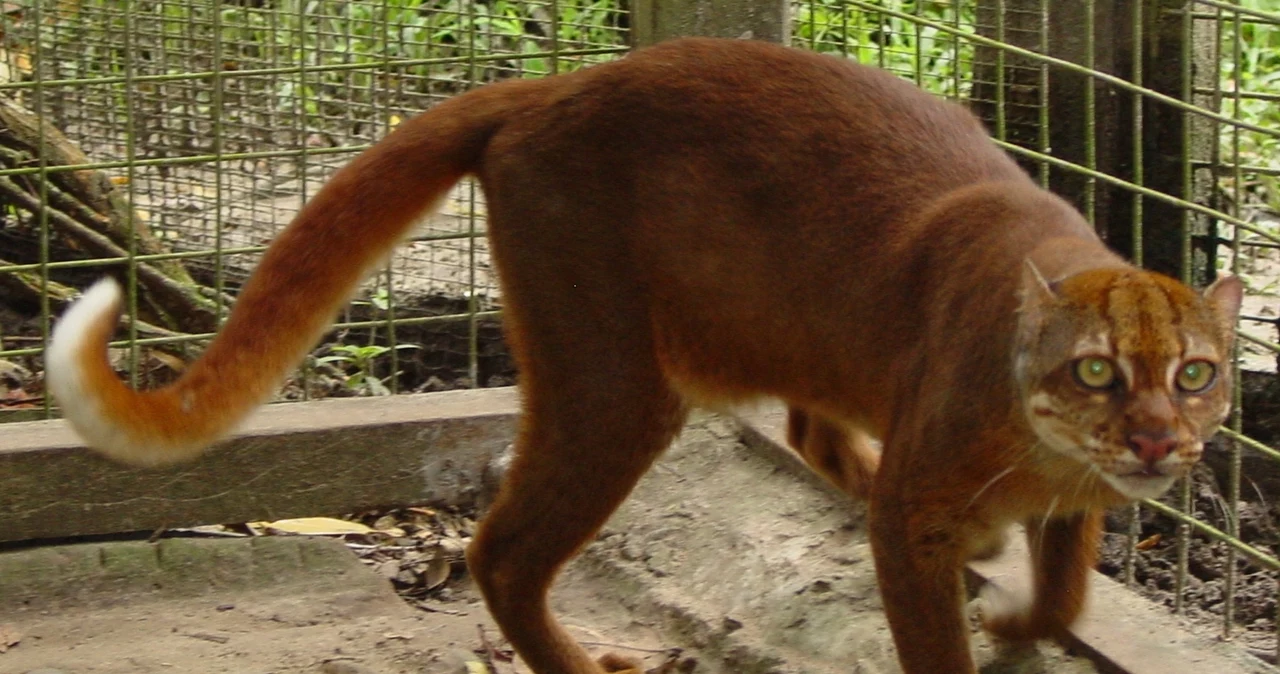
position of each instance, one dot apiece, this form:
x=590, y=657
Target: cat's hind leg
x=588, y=433
x=845, y=455
x=597, y=410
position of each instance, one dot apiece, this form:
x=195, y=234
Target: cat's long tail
x=309, y=272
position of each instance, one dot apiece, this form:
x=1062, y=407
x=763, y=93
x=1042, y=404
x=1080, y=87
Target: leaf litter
x=419, y=550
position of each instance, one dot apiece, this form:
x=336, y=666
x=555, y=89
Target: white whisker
x=1001, y=475
x=1091, y=474
x=1044, y=524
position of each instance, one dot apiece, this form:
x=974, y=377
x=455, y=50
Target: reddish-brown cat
x=712, y=221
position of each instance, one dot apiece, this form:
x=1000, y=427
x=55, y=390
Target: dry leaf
x=313, y=526
x=212, y=530
x=1148, y=543
x=9, y=636
x=451, y=547
x=169, y=360
x=437, y=573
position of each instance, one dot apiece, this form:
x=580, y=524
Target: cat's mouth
x=1148, y=482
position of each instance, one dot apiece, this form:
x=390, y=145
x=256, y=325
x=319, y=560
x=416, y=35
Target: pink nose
x=1152, y=448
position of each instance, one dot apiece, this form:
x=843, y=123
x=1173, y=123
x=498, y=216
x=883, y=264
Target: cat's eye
x=1095, y=372
x=1196, y=376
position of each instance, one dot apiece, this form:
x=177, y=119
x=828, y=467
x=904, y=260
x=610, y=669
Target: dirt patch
x=1204, y=594
x=341, y=620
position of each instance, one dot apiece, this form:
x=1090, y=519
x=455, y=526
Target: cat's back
x=743, y=106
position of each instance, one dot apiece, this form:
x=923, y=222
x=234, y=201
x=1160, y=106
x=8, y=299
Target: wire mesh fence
x=168, y=141
x=213, y=121
x=1160, y=121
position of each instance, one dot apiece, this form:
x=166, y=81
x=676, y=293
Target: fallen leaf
x=437, y=573
x=451, y=547
x=212, y=530
x=9, y=636
x=170, y=361
x=313, y=526
x=1148, y=543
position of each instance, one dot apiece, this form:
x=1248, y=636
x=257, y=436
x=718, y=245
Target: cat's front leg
x=1063, y=550
x=919, y=559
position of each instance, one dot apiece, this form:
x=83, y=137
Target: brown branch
x=198, y=314
x=27, y=288
x=89, y=214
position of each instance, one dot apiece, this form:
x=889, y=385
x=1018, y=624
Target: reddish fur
x=292, y=297
x=718, y=219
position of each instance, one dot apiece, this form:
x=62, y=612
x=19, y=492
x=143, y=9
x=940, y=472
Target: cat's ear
x=1035, y=291
x=1225, y=296
x=1035, y=296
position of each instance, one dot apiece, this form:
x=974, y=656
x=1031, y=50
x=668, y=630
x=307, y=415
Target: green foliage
x=351, y=49
x=1258, y=72
x=340, y=58
x=938, y=60
x=357, y=364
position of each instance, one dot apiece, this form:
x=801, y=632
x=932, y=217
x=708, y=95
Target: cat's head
x=1126, y=370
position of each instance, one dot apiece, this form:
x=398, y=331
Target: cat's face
x=1126, y=371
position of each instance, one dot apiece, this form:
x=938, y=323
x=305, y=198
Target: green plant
x=1257, y=46
x=356, y=363
x=355, y=50
x=932, y=57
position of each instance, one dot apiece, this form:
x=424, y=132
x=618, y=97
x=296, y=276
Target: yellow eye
x=1196, y=376
x=1094, y=372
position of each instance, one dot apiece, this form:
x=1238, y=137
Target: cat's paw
x=1008, y=615
x=616, y=664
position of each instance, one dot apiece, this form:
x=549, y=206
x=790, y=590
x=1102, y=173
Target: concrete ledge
x=342, y=455
x=1120, y=631
x=291, y=460
x=105, y=573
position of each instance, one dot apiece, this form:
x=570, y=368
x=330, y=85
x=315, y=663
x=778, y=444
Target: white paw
x=999, y=605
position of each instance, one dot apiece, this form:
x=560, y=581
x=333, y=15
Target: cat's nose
x=1152, y=447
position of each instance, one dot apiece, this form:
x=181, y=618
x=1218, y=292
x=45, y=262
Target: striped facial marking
x=1125, y=370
